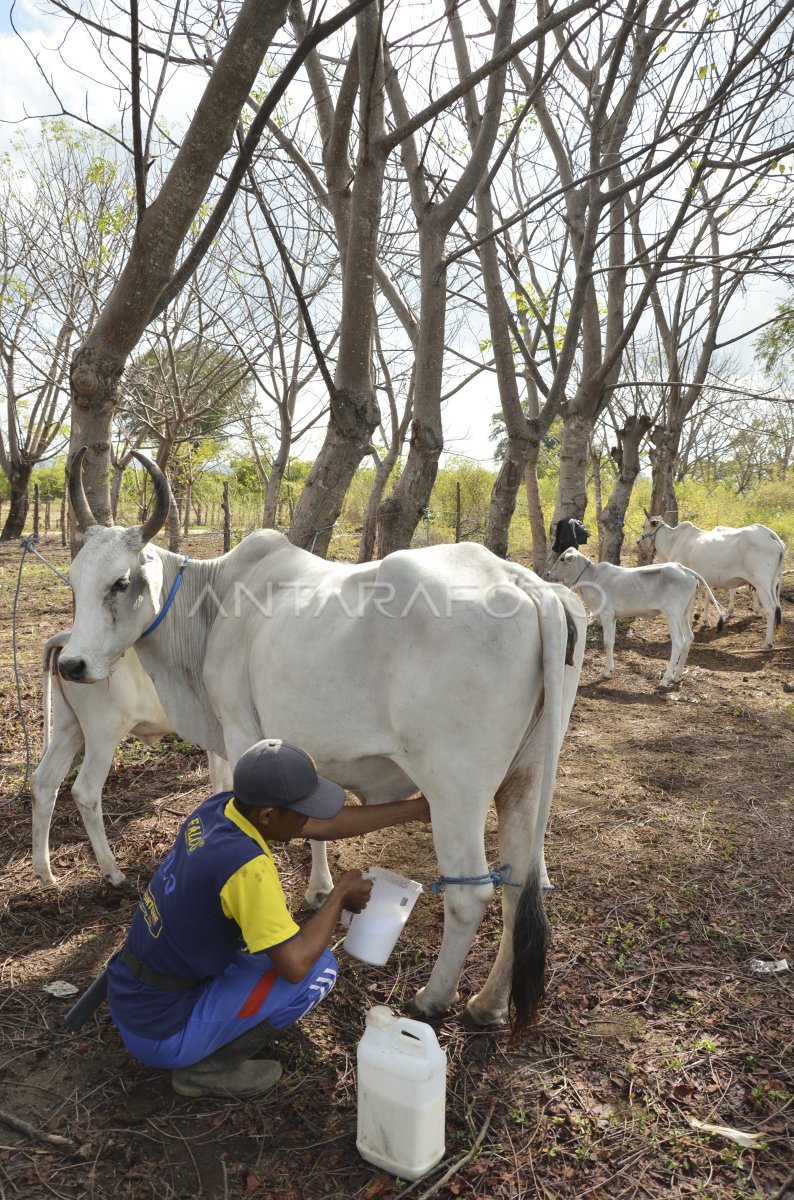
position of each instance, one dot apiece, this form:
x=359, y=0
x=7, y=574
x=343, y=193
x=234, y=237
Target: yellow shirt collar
x=236, y=817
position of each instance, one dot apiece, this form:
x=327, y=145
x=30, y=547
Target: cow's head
x=650, y=530
x=569, y=567
x=117, y=581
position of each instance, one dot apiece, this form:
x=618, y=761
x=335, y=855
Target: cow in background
x=726, y=558
x=611, y=592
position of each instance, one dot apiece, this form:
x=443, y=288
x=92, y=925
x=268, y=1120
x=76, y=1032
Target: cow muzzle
x=74, y=670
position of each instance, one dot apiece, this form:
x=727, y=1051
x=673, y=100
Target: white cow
x=96, y=718
x=612, y=592
x=726, y=558
x=441, y=670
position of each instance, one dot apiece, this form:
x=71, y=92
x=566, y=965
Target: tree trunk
x=354, y=407
x=115, y=488
x=597, y=493
x=19, y=481
x=503, y=498
x=572, y=493
x=227, y=520
x=664, y=454
x=273, y=487
x=366, y=550
x=173, y=525
x=537, y=522
x=627, y=456
x=400, y=513
x=663, y=461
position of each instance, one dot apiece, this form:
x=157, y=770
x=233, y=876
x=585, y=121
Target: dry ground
x=670, y=844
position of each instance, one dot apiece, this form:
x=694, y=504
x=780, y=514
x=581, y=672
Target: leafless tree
x=64, y=221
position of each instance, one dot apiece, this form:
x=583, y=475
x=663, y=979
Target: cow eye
x=120, y=585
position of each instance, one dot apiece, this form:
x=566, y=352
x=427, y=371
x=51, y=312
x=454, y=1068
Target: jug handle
x=413, y=1036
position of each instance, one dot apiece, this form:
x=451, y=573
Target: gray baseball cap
x=276, y=774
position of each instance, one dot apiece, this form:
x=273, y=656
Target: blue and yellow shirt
x=217, y=892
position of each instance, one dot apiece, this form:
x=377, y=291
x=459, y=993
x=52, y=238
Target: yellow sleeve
x=253, y=897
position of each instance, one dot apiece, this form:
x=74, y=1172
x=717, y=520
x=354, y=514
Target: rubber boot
x=231, y=1070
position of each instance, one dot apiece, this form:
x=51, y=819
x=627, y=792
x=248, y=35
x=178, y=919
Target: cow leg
x=681, y=638
x=460, y=849
x=320, y=882
x=66, y=742
x=87, y=791
x=608, y=623
x=516, y=804
x=768, y=601
x=220, y=773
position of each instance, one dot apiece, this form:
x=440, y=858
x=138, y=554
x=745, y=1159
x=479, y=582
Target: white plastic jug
x=373, y=933
x=402, y=1085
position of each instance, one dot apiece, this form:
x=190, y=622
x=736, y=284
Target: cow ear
x=152, y=573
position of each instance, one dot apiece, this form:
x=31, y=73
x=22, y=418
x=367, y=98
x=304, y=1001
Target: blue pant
x=248, y=992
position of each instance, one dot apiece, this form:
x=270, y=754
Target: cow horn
x=82, y=509
x=644, y=509
x=156, y=520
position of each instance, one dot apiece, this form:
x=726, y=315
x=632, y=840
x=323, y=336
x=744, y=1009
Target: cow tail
x=778, y=586
x=531, y=931
x=721, y=612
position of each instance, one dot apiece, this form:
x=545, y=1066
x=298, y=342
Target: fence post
x=457, y=511
x=47, y=505
x=63, y=518
x=227, y=520
x=36, y=500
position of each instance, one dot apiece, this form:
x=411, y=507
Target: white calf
x=612, y=592
x=97, y=717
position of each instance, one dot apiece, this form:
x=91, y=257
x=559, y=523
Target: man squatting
x=214, y=967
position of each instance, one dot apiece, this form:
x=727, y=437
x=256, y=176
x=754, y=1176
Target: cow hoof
x=121, y=885
x=548, y=887
x=316, y=899
x=663, y=688
x=48, y=881
x=483, y=1015
x=420, y=1007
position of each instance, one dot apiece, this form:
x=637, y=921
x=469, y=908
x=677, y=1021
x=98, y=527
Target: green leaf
x=703, y=72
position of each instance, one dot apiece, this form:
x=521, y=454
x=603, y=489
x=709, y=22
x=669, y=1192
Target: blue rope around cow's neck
x=169, y=601
x=499, y=877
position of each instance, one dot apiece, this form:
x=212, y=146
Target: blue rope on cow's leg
x=499, y=877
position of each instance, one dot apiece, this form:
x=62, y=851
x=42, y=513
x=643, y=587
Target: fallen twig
x=23, y=1127
x=462, y=1162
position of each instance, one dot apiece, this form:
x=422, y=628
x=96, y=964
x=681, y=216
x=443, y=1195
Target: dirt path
x=670, y=845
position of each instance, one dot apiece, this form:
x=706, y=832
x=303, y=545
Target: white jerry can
x=402, y=1086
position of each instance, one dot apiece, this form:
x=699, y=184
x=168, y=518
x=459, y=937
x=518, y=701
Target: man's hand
x=354, y=890
x=293, y=959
